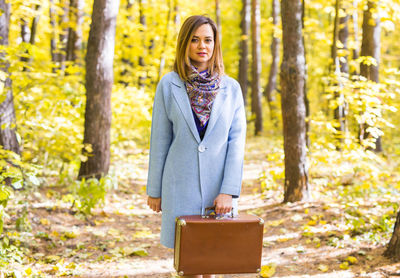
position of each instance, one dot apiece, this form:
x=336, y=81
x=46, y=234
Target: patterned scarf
x=202, y=89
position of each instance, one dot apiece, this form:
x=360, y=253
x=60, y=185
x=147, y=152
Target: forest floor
x=121, y=239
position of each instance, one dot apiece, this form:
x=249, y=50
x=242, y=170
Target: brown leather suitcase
x=210, y=245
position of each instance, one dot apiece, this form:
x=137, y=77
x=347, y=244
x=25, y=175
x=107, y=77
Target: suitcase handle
x=207, y=213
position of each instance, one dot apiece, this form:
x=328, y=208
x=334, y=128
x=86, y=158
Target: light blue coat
x=186, y=172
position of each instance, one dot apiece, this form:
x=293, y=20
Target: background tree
x=293, y=106
x=53, y=42
x=74, y=40
x=63, y=33
x=8, y=138
x=306, y=100
x=340, y=66
x=370, y=47
x=393, y=247
x=256, y=67
x=218, y=19
x=164, y=42
x=273, y=72
x=244, y=48
x=99, y=81
x=29, y=35
x=142, y=64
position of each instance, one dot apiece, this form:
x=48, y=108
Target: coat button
x=201, y=148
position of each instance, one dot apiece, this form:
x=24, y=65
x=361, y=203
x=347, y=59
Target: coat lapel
x=182, y=99
x=216, y=109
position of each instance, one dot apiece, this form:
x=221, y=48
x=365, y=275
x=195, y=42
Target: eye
x=209, y=40
x=194, y=40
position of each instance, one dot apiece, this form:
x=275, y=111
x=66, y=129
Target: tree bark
x=293, y=105
x=142, y=20
x=177, y=19
x=164, y=45
x=29, y=35
x=63, y=21
x=8, y=137
x=99, y=81
x=34, y=24
x=74, y=40
x=218, y=19
x=354, y=17
x=25, y=33
x=306, y=101
x=256, y=67
x=340, y=67
x=371, y=47
x=128, y=64
x=244, y=48
x=53, y=43
x=393, y=248
x=273, y=72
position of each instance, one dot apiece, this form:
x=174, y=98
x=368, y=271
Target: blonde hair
x=182, y=61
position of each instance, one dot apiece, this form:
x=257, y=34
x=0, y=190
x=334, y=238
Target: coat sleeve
x=233, y=171
x=160, y=141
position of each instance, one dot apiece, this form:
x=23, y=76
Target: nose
x=201, y=44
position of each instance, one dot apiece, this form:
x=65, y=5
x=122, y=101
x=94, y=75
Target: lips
x=202, y=53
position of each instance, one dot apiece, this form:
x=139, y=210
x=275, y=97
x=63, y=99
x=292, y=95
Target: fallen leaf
x=352, y=260
x=268, y=270
x=275, y=223
x=323, y=267
x=44, y=221
x=69, y=235
x=282, y=239
x=51, y=259
x=344, y=265
x=28, y=271
x=297, y=217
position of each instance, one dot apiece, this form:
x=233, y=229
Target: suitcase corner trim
x=179, y=224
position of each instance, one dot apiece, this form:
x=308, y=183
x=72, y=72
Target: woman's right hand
x=154, y=203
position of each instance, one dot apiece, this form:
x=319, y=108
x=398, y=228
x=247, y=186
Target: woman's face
x=201, y=47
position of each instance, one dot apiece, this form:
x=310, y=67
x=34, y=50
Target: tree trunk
x=340, y=67
x=244, y=48
x=128, y=64
x=142, y=20
x=34, y=24
x=74, y=41
x=306, y=101
x=293, y=105
x=218, y=19
x=393, y=248
x=256, y=67
x=63, y=22
x=177, y=19
x=8, y=138
x=24, y=31
x=99, y=81
x=354, y=17
x=371, y=47
x=164, y=45
x=273, y=72
x=29, y=36
x=53, y=43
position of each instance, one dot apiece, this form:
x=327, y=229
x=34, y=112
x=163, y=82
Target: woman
x=198, y=132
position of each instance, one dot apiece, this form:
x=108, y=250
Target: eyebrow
x=205, y=37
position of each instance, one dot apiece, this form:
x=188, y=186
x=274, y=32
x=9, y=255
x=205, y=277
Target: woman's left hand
x=223, y=203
